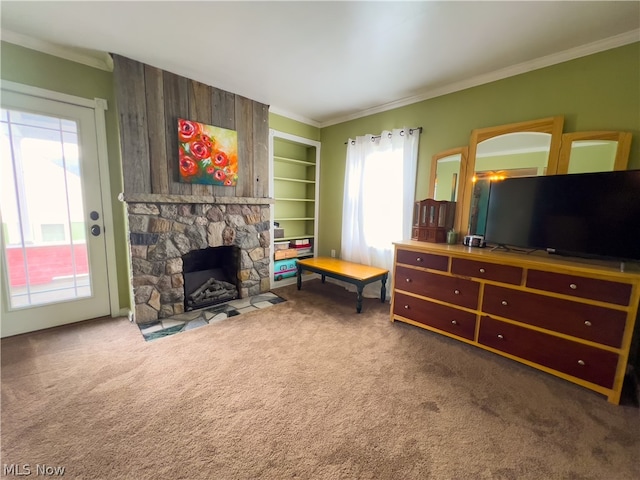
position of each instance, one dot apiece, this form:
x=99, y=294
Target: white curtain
x=379, y=191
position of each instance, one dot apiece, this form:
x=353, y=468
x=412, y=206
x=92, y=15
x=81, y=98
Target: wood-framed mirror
x=516, y=149
x=597, y=151
x=447, y=178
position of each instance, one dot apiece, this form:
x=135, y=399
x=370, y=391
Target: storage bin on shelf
x=286, y=253
x=285, y=268
x=303, y=247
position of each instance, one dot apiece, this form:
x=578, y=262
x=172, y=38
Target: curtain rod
x=411, y=130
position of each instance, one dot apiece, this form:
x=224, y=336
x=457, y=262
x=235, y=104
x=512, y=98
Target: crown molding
x=542, y=62
x=100, y=60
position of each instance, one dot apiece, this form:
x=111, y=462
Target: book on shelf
x=300, y=241
x=300, y=245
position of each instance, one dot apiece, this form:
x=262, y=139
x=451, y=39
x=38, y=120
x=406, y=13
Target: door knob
x=95, y=230
x=94, y=215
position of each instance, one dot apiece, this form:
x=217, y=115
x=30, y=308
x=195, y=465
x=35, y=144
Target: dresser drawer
x=582, y=361
x=425, y=260
x=598, y=324
x=486, y=270
x=458, y=291
x=448, y=319
x=583, y=287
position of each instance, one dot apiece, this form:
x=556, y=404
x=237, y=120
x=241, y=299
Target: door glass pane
x=43, y=227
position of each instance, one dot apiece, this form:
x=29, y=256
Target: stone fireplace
x=167, y=217
x=164, y=233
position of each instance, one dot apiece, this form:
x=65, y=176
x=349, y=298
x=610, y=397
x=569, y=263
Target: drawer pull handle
x=573, y=286
x=454, y=322
x=587, y=323
x=408, y=280
x=419, y=259
x=500, y=336
x=581, y=363
x=457, y=292
x=482, y=270
x=406, y=307
x=504, y=302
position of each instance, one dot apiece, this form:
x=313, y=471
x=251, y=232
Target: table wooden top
x=356, y=271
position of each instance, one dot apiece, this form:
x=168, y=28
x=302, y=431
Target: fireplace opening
x=210, y=276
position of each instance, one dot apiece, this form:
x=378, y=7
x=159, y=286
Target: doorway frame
x=99, y=107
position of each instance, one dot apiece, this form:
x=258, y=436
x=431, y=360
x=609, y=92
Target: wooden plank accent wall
x=134, y=138
x=244, y=116
x=175, y=104
x=154, y=88
x=151, y=100
x=261, y=149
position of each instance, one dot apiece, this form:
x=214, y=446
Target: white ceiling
x=326, y=62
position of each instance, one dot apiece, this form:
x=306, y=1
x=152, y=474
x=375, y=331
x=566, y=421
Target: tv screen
x=588, y=214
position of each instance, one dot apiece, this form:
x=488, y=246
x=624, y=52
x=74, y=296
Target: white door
x=54, y=266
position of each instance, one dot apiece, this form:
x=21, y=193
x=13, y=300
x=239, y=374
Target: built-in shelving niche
x=295, y=171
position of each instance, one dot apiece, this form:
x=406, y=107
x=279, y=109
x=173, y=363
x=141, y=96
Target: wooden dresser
x=574, y=319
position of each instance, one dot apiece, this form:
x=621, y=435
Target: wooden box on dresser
x=574, y=319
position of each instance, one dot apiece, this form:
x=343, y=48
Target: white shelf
x=295, y=199
x=286, y=179
x=293, y=161
x=293, y=237
x=290, y=219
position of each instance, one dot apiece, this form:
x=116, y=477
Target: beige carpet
x=306, y=389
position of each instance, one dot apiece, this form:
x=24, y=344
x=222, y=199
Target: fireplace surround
x=162, y=231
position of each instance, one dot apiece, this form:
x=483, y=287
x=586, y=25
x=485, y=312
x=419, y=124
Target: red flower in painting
x=220, y=159
x=200, y=150
x=210, y=170
x=188, y=166
x=220, y=175
x=228, y=182
x=206, y=139
x=187, y=130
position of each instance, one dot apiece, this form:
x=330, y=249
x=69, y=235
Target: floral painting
x=207, y=154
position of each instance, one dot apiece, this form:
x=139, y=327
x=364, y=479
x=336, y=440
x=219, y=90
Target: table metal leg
x=299, y=275
x=383, y=289
x=359, y=297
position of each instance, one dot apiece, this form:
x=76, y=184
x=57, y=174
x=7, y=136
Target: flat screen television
x=592, y=215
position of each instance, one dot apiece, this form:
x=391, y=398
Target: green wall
x=26, y=66
x=597, y=92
